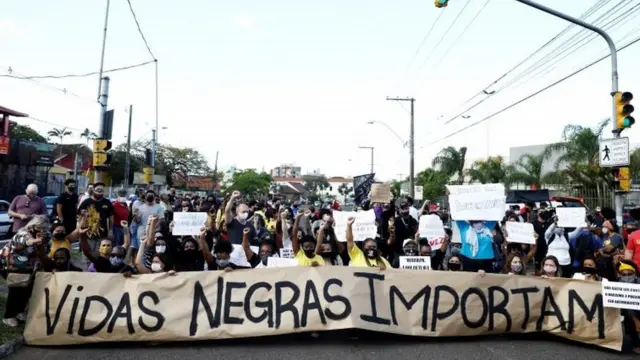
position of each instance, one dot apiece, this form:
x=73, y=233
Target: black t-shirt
x=406, y=228
x=104, y=208
x=103, y=265
x=235, y=230
x=51, y=266
x=69, y=204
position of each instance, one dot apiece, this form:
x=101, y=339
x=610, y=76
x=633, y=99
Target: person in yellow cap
x=627, y=272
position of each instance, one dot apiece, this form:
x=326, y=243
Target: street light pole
x=614, y=72
x=411, y=145
x=371, y=148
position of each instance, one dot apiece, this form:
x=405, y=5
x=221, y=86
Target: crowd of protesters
x=133, y=235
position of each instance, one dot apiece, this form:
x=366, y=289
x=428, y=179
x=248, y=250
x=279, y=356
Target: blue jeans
x=133, y=230
x=118, y=236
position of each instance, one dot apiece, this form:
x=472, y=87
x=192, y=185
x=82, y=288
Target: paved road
x=302, y=347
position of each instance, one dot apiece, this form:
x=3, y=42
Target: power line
x=75, y=75
x=53, y=124
x=135, y=18
x=535, y=93
x=445, y=34
x=424, y=39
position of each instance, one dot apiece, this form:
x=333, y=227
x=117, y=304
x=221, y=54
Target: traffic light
x=624, y=109
x=147, y=172
x=101, y=159
x=441, y=3
x=622, y=178
x=148, y=157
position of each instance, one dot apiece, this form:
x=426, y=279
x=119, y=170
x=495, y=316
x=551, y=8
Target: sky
x=284, y=81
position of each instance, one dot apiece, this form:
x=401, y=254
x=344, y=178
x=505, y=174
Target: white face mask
x=326, y=217
x=160, y=249
x=155, y=267
x=549, y=269
x=243, y=216
x=605, y=230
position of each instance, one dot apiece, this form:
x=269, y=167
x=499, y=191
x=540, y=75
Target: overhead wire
x=135, y=18
x=485, y=91
x=444, y=35
x=67, y=76
x=536, y=93
x=424, y=40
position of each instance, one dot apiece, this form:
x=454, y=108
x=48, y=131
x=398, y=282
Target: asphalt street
x=335, y=346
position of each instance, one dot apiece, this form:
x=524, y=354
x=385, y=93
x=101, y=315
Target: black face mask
x=589, y=270
x=59, y=236
x=370, y=253
x=453, y=266
x=310, y=253
x=150, y=198
x=411, y=252
x=404, y=214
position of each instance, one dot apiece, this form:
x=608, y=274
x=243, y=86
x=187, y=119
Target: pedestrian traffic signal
x=623, y=111
x=441, y=3
x=622, y=178
x=101, y=159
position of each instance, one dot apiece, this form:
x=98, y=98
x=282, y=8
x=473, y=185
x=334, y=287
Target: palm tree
x=87, y=134
x=451, y=162
x=490, y=171
x=60, y=134
x=528, y=170
x=578, y=162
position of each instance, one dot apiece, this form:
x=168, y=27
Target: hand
x=203, y=231
x=544, y=276
x=351, y=220
x=511, y=273
x=481, y=273
x=172, y=225
x=127, y=274
x=23, y=217
x=315, y=264
x=417, y=235
x=381, y=268
x=235, y=194
x=228, y=269
x=124, y=224
x=171, y=273
x=299, y=215
x=245, y=231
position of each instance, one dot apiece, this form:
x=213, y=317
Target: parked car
x=50, y=201
x=5, y=220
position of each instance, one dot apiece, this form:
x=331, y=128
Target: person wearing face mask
x=120, y=213
x=369, y=256
x=221, y=258
x=559, y=247
x=304, y=246
x=99, y=212
x=589, y=270
x=454, y=263
x=550, y=267
x=238, y=222
x=478, y=246
x=59, y=262
x=24, y=207
x=267, y=249
x=160, y=263
x=144, y=214
x=86, y=195
x=189, y=258
x=515, y=265
x=405, y=227
x=410, y=247
x=60, y=238
x=327, y=246
x=108, y=259
x=67, y=205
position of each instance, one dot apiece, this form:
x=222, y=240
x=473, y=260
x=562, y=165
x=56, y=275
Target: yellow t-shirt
x=359, y=260
x=303, y=260
x=57, y=244
x=271, y=226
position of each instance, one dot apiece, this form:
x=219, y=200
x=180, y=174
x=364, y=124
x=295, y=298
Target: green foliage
x=396, y=188
x=433, y=183
x=24, y=132
x=173, y=160
x=451, y=162
x=315, y=183
x=489, y=171
x=345, y=190
x=250, y=183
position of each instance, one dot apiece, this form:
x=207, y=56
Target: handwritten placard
x=287, y=253
x=415, y=263
x=278, y=262
x=381, y=193
x=239, y=258
x=363, y=227
x=477, y=202
x=431, y=228
x=571, y=217
x=188, y=223
x=520, y=232
x=621, y=295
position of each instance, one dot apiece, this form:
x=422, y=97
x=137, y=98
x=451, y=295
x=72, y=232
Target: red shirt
x=634, y=241
x=120, y=213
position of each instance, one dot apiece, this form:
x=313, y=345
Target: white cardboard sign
x=477, y=202
x=431, y=227
x=621, y=295
x=520, y=232
x=571, y=217
x=188, y=223
x=363, y=227
x=415, y=263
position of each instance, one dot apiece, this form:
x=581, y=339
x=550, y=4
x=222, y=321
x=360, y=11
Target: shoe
x=21, y=317
x=13, y=322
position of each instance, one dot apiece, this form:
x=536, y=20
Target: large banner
x=74, y=308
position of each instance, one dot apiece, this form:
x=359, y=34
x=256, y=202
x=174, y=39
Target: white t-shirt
x=144, y=212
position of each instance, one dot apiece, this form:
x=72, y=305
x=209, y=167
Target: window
x=4, y=207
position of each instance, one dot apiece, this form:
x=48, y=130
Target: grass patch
x=8, y=333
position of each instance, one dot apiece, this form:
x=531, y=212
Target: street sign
x=614, y=152
x=417, y=191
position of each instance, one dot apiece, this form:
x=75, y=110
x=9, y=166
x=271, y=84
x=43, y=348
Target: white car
x=5, y=221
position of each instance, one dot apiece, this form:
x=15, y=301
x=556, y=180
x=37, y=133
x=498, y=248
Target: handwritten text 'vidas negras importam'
x=236, y=302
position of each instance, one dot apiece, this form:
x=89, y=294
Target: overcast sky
x=289, y=81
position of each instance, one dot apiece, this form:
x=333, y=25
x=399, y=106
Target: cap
x=404, y=243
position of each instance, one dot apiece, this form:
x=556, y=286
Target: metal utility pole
x=154, y=145
x=104, y=45
x=371, y=148
x=157, y=122
x=75, y=168
x=104, y=99
x=411, y=145
x=614, y=73
x=127, y=161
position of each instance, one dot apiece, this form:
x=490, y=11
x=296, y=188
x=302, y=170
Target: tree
x=174, y=160
x=634, y=164
x=250, y=182
x=118, y=164
x=60, y=134
x=87, y=134
x=345, y=189
x=451, y=162
x=490, y=171
x=396, y=187
x=433, y=183
x=528, y=170
x=315, y=183
x=24, y=132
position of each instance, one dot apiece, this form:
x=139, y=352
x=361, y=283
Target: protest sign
x=415, y=262
x=188, y=223
x=521, y=233
x=75, y=308
x=431, y=227
x=477, y=202
x=239, y=258
x=363, y=227
x=381, y=193
x=571, y=217
x=621, y=295
x=287, y=253
x=278, y=262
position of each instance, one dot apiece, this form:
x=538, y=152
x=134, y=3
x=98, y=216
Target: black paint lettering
x=51, y=326
x=160, y=319
x=436, y=315
x=267, y=305
x=335, y=298
x=289, y=306
x=199, y=297
x=74, y=310
x=500, y=308
x=373, y=318
x=311, y=302
x=122, y=311
x=596, y=307
x=425, y=293
x=547, y=296
x=527, y=306
x=228, y=304
x=82, y=330
x=463, y=307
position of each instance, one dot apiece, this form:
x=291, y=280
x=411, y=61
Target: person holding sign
x=369, y=256
x=267, y=250
x=305, y=247
x=477, y=244
x=558, y=247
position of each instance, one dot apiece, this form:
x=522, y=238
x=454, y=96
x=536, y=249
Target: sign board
x=614, y=152
x=417, y=190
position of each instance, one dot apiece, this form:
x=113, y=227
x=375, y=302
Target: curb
x=10, y=347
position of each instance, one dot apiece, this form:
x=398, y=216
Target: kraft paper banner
x=75, y=308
